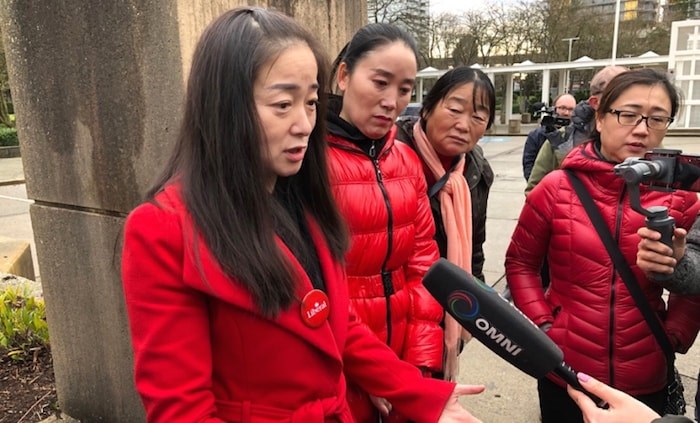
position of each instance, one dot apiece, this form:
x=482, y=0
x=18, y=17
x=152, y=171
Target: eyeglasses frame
x=616, y=112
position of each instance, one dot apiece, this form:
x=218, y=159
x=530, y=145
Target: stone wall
x=97, y=89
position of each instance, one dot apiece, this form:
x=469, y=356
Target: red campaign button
x=315, y=308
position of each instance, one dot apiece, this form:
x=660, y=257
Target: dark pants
x=697, y=400
x=556, y=406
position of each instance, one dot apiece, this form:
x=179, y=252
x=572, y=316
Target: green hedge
x=8, y=137
x=23, y=327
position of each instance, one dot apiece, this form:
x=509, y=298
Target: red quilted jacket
x=386, y=207
x=594, y=318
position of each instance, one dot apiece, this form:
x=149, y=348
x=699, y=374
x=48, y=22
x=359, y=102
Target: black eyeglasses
x=626, y=118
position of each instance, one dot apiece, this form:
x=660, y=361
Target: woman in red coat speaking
x=232, y=272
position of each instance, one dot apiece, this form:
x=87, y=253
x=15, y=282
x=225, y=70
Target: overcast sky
x=459, y=6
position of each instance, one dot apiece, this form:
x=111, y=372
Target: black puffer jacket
x=479, y=176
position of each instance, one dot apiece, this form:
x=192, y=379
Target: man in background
x=555, y=148
x=563, y=108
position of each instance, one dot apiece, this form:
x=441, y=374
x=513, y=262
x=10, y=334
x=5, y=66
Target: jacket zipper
x=611, y=330
x=385, y=275
x=387, y=285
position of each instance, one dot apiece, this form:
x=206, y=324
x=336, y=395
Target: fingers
x=606, y=393
x=646, y=233
x=622, y=408
x=680, y=233
x=586, y=405
x=381, y=404
x=657, y=247
x=468, y=389
x=652, y=262
x=679, y=243
x=653, y=256
x=650, y=242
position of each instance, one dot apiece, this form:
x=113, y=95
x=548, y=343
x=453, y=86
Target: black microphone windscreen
x=492, y=320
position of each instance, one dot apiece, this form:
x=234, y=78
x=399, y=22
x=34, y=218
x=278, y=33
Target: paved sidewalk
x=11, y=171
x=14, y=206
x=511, y=396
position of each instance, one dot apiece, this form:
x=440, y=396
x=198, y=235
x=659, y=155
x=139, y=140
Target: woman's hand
x=381, y=404
x=453, y=411
x=654, y=256
x=623, y=408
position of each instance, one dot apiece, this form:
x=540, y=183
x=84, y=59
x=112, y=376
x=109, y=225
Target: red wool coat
x=204, y=353
x=594, y=318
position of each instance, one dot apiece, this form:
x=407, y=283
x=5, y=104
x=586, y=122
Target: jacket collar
x=474, y=166
x=587, y=159
x=344, y=132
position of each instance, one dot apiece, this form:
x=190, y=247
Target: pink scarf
x=456, y=210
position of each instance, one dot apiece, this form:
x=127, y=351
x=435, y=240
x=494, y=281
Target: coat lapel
x=330, y=336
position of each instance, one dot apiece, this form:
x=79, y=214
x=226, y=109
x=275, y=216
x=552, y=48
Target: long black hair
x=369, y=38
x=483, y=93
x=218, y=159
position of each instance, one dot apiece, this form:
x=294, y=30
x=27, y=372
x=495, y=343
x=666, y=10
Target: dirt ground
x=27, y=389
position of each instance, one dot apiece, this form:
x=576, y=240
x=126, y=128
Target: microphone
x=498, y=324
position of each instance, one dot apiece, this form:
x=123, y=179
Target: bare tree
x=523, y=24
x=444, y=33
x=411, y=15
x=536, y=30
x=466, y=52
x=487, y=29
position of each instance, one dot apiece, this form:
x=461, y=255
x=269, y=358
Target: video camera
x=661, y=170
x=551, y=121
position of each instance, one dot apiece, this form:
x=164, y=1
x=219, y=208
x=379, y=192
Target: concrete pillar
x=562, y=85
x=97, y=89
x=545, y=86
x=509, y=97
x=492, y=77
x=419, y=93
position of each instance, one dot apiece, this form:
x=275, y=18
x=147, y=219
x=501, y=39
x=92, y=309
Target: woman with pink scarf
x=455, y=114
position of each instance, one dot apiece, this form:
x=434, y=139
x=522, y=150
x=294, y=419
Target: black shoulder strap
x=623, y=269
x=437, y=186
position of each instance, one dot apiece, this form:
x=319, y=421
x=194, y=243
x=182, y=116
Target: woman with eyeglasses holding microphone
x=587, y=310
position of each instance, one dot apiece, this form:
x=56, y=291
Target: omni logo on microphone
x=465, y=307
x=463, y=304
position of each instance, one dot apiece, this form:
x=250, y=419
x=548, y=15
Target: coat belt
x=331, y=409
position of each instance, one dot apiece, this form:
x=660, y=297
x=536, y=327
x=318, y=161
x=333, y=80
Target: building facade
x=641, y=10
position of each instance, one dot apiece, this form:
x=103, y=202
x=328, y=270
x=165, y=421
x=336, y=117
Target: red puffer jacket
x=594, y=318
x=386, y=207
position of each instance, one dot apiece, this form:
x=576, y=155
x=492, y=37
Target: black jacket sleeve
x=533, y=143
x=672, y=419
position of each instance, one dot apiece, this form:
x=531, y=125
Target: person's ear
x=598, y=123
x=342, y=76
x=594, y=101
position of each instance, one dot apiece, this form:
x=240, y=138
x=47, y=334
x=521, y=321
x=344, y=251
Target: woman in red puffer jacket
x=587, y=309
x=381, y=191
